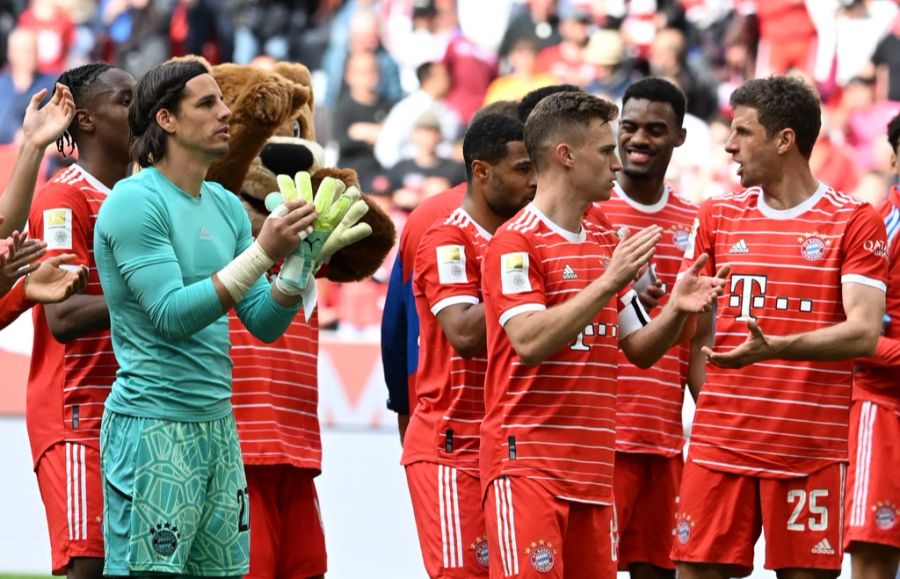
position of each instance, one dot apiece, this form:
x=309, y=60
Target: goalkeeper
x=175, y=253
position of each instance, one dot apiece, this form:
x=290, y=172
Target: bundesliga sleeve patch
x=514, y=273
x=451, y=260
x=58, y=228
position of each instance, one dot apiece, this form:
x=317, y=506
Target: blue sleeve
x=399, y=339
x=137, y=232
x=265, y=318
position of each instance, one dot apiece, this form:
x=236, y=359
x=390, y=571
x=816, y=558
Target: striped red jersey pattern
x=878, y=378
x=275, y=394
x=780, y=418
x=648, y=402
x=450, y=389
x=554, y=422
x=13, y=304
x=68, y=383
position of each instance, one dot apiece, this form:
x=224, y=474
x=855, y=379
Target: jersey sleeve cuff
x=861, y=279
x=632, y=317
x=452, y=301
x=520, y=309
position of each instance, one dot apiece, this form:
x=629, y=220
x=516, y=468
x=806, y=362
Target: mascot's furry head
x=272, y=132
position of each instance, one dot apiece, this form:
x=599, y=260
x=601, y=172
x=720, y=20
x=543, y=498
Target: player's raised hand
x=631, y=254
x=43, y=125
x=756, y=347
x=16, y=260
x=695, y=293
x=53, y=282
x=283, y=230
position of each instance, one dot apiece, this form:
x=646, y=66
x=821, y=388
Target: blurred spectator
x=859, y=28
x=394, y=142
x=427, y=173
x=862, y=118
x=668, y=58
x=139, y=32
x=425, y=40
x=19, y=82
x=208, y=29
x=523, y=77
x=886, y=64
x=262, y=27
x=787, y=37
x=738, y=58
x=88, y=37
x=833, y=164
x=478, y=20
x=363, y=38
x=472, y=68
x=537, y=21
x=55, y=33
x=566, y=60
x=613, y=71
x=358, y=119
x=9, y=11
x=873, y=187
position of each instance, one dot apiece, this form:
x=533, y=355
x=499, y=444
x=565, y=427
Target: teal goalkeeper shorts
x=174, y=496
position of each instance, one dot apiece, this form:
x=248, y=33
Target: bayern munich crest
x=480, y=548
x=813, y=247
x=683, y=526
x=680, y=238
x=885, y=515
x=542, y=555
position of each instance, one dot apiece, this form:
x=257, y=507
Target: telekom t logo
x=744, y=297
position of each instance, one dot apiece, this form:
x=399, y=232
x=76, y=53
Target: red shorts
x=535, y=534
x=646, y=488
x=449, y=519
x=873, y=487
x=286, y=534
x=72, y=490
x=720, y=515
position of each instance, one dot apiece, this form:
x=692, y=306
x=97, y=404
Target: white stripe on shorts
x=506, y=526
x=76, y=491
x=863, y=464
x=448, y=505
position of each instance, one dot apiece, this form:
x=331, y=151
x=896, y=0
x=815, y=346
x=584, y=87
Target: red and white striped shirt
x=68, y=383
x=554, y=422
x=648, y=402
x=275, y=394
x=450, y=389
x=779, y=418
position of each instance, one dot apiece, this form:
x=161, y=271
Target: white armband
x=243, y=271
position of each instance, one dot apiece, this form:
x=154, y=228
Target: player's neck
x=481, y=213
x=562, y=204
x=792, y=187
x=644, y=191
x=102, y=168
x=186, y=172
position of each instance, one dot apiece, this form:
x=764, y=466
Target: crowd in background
x=396, y=81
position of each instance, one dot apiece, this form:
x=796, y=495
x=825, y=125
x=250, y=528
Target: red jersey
x=13, y=305
x=68, y=383
x=275, y=394
x=878, y=379
x=554, y=422
x=648, y=402
x=777, y=418
x=450, y=389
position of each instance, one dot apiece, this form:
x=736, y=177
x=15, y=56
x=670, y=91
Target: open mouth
x=639, y=157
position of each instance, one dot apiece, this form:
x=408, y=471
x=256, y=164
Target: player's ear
x=480, y=170
x=786, y=138
x=564, y=155
x=682, y=135
x=83, y=121
x=166, y=120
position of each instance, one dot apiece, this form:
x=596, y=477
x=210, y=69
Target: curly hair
x=487, y=139
x=82, y=83
x=658, y=90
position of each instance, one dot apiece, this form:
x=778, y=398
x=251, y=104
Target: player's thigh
x=71, y=489
x=629, y=478
x=222, y=542
x=718, y=521
x=525, y=526
x=302, y=553
x=449, y=520
x=872, y=561
x=803, y=520
x=872, y=502
x=647, y=538
x=591, y=540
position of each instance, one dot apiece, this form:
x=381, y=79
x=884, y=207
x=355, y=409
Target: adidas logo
x=569, y=273
x=739, y=247
x=204, y=234
x=823, y=548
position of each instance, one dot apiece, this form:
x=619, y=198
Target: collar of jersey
x=655, y=208
x=95, y=183
x=793, y=212
x=565, y=234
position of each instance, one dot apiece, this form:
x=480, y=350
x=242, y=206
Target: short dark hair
x=566, y=114
x=423, y=71
x=505, y=108
x=658, y=90
x=783, y=102
x=161, y=88
x=81, y=82
x=488, y=138
x=530, y=100
x=893, y=132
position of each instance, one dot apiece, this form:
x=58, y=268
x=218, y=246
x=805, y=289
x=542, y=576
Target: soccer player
x=769, y=441
x=649, y=433
x=558, y=305
x=72, y=362
x=175, y=253
x=440, y=452
x=873, y=491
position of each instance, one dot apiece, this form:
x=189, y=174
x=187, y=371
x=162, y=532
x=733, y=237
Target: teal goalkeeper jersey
x=156, y=248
